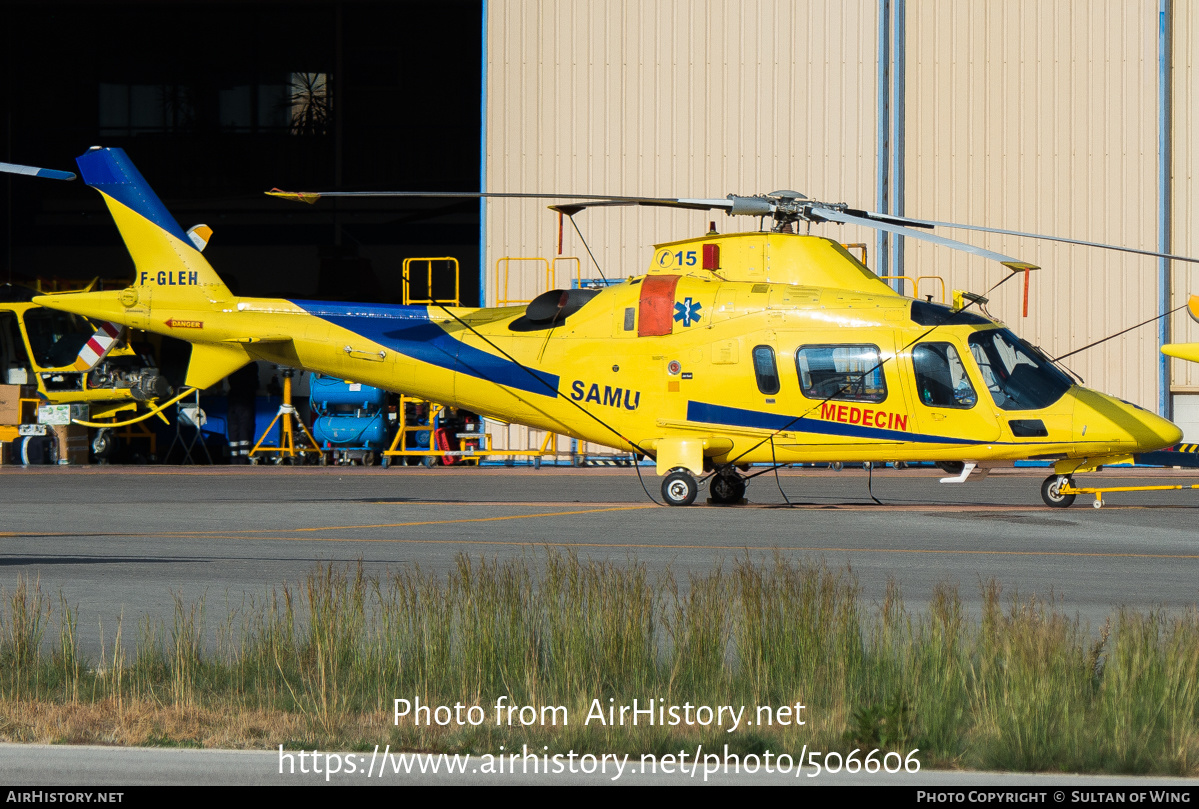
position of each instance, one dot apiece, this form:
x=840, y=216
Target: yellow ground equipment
x=1064, y=491
x=1060, y=490
x=288, y=420
x=417, y=419
x=429, y=431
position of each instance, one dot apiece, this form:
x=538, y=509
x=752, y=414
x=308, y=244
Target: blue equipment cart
x=349, y=419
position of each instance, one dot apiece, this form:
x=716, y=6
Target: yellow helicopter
x=59, y=358
x=65, y=360
x=732, y=349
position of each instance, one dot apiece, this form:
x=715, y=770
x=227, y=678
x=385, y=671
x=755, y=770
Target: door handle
x=362, y=354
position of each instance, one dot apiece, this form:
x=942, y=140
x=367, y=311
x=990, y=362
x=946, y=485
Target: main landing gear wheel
x=679, y=488
x=726, y=489
x=1051, y=491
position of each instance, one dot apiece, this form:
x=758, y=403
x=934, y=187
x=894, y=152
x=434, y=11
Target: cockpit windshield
x=1018, y=376
x=56, y=337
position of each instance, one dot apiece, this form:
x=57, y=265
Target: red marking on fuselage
x=655, y=317
x=850, y=414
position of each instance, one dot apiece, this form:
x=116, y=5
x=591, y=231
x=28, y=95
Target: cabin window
x=941, y=379
x=848, y=373
x=766, y=370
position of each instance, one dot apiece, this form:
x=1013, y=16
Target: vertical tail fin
x=169, y=267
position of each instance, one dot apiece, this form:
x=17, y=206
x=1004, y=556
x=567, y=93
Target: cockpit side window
x=56, y=337
x=941, y=379
x=766, y=370
x=1017, y=375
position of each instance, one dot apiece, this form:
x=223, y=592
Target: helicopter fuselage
x=764, y=372
x=730, y=350
x=697, y=370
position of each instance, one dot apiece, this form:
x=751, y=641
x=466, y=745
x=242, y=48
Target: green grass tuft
x=1024, y=687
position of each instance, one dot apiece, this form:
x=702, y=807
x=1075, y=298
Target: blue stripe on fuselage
x=737, y=417
x=409, y=331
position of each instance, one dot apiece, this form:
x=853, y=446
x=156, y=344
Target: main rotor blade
x=930, y=223
x=593, y=199
x=1013, y=264
x=34, y=171
x=890, y=218
x=652, y=202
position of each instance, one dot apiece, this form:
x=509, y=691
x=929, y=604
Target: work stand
x=287, y=418
x=191, y=416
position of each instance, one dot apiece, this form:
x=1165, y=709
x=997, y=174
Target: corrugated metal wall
x=1042, y=117
x=1184, y=219
x=1185, y=208
x=1020, y=114
x=680, y=98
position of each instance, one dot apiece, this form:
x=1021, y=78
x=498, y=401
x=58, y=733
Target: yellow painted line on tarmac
x=419, y=522
x=988, y=508
x=638, y=546
x=251, y=531
x=510, y=503
x=659, y=546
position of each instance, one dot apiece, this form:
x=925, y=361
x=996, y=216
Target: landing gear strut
x=679, y=488
x=1051, y=491
x=727, y=488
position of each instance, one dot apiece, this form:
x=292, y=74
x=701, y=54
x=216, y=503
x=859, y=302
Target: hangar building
x=1072, y=118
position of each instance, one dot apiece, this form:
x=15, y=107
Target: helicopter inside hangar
x=761, y=347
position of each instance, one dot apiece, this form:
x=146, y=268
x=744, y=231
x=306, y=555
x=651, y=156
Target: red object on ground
x=444, y=442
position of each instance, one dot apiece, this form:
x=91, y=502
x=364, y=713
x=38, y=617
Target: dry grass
x=142, y=724
x=318, y=663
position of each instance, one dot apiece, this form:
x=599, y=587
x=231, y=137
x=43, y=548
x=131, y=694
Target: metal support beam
x=898, y=50
x=1164, y=121
x=882, y=239
x=483, y=164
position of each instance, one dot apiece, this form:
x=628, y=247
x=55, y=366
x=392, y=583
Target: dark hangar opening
x=217, y=103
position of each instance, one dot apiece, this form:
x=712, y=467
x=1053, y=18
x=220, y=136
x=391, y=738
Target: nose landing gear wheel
x=679, y=488
x=1051, y=491
x=727, y=489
